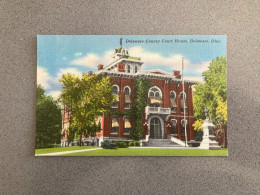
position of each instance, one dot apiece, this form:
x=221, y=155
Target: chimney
x=90, y=73
x=177, y=74
x=100, y=66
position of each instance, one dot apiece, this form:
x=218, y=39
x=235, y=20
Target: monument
x=208, y=139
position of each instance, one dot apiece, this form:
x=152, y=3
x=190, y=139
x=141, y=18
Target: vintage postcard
x=131, y=95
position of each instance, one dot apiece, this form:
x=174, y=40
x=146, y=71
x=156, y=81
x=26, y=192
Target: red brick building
x=164, y=114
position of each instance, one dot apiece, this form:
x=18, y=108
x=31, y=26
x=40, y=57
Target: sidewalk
x=66, y=152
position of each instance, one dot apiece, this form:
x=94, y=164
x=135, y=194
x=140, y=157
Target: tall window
x=174, y=126
x=127, y=126
x=136, y=68
x=182, y=96
x=183, y=123
x=173, y=101
x=115, y=91
x=115, y=125
x=127, y=98
x=128, y=68
x=127, y=91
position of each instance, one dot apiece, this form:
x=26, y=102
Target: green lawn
x=62, y=149
x=151, y=152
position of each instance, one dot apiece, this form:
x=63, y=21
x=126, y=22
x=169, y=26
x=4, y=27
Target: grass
x=152, y=152
x=62, y=149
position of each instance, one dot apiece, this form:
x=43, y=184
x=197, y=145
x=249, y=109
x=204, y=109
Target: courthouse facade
x=164, y=113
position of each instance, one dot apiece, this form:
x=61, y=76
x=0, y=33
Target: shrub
x=137, y=143
x=131, y=144
x=121, y=144
x=108, y=144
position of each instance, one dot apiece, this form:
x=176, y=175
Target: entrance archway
x=155, y=128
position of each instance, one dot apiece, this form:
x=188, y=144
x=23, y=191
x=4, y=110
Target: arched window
x=183, y=123
x=155, y=95
x=173, y=101
x=156, y=91
x=172, y=95
x=182, y=95
x=127, y=126
x=115, y=125
x=136, y=68
x=115, y=91
x=128, y=68
x=174, y=126
x=127, y=92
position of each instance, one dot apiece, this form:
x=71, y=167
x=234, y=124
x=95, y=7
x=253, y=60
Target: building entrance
x=155, y=129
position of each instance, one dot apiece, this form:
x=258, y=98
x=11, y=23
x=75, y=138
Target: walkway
x=66, y=152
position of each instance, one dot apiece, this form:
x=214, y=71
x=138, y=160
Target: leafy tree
x=213, y=92
x=88, y=98
x=141, y=86
x=48, y=119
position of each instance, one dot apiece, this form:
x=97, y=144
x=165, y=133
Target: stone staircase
x=162, y=143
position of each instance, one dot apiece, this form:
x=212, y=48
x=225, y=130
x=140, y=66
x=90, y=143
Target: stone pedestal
x=208, y=139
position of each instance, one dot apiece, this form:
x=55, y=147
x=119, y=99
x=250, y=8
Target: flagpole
x=184, y=105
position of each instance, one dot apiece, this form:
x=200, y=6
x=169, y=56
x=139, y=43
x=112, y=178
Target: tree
x=88, y=98
x=213, y=91
x=142, y=86
x=48, y=119
x=212, y=94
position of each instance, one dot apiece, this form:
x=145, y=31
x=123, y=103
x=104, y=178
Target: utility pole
x=184, y=105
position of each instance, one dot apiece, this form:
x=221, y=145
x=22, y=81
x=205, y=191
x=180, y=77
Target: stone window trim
x=185, y=96
x=173, y=92
x=115, y=92
x=155, y=91
x=127, y=88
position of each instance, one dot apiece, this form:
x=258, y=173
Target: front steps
x=162, y=143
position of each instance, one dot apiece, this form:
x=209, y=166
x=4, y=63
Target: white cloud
x=153, y=60
x=55, y=94
x=200, y=68
x=43, y=77
x=92, y=60
x=62, y=71
x=198, y=79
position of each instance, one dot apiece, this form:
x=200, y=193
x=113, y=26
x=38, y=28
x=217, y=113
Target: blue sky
x=60, y=54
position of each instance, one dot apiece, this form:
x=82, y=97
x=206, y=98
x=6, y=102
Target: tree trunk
x=80, y=138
